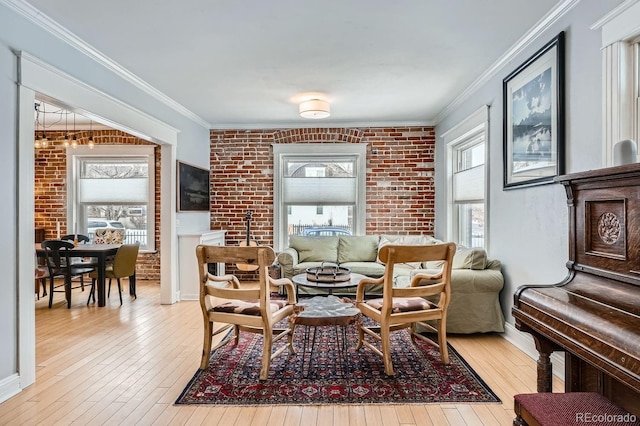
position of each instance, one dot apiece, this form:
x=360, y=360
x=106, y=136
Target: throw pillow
x=465, y=258
x=406, y=240
x=315, y=249
x=357, y=249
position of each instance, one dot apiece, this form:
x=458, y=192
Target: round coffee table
x=321, y=311
x=301, y=280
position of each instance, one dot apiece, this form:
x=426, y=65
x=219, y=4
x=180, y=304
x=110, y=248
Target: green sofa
x=476, y=281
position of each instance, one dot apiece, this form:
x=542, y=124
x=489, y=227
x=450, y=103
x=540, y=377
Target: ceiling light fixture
x=314, y=108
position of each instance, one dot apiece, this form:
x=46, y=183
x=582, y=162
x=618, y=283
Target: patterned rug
x=232, y=376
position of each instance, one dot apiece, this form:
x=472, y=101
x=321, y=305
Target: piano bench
x=570, y=409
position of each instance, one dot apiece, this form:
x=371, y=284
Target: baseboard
x=187, y=296
x=524, y=342
x=9, y=387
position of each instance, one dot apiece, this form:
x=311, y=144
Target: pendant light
x=66, y=129
x=36, y=142
x=74, y=141
x=43, y=140
x=91, y=144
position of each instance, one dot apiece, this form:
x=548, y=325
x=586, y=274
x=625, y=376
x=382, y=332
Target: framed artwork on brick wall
x=193, y=188
x=533, y=119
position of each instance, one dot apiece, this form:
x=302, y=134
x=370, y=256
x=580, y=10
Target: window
x=113, y=187
x=318, y=185
x=467, y=176
x=621, y=81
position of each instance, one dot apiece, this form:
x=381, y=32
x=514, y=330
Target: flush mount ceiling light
x=315, y=108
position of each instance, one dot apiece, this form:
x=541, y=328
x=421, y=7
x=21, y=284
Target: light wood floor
x=128, y=364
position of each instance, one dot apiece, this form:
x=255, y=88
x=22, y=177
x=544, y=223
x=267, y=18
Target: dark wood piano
x=593, y=315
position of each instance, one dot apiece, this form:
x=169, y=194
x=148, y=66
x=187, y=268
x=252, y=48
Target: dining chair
x=58, y=255
x=400, y=308
x=79, y=261
x=41, y=275
x=249, y=308
x=124, y=265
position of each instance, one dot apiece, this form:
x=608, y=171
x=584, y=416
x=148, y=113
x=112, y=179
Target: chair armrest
x=363, y=283
x=287, y=285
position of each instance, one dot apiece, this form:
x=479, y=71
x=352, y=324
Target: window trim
x=112, y=151
x=325, y=150
x=620, y=86
x=458, y=137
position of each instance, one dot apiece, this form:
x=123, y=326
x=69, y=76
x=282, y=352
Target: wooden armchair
x=223, y=299
x=406, y=307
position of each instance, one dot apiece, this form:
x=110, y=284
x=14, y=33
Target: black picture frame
x=193, y=188
x=534, y=118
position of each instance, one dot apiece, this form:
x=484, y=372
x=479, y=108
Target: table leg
x=101, y=280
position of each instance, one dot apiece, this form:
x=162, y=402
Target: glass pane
x=471, y=224
x=114, y=168
x=133, y=218
x=319, y=167
x=471, y=156
x=305, y=220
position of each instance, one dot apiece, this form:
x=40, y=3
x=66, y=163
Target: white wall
x=19, y=34
x=528, y=227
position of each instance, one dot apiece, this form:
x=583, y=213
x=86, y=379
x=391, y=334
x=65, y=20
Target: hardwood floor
x=128, y=364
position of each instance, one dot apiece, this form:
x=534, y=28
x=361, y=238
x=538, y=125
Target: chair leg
x=119, y=290
x=206, y=344
x=385, y=334
x=50, y=291
x=132, y=286
x=442, y=340
x=266, y=354
x=67, y=290
x=360, y=337
x=109, y=290
x=82, y=282
x=236, y=336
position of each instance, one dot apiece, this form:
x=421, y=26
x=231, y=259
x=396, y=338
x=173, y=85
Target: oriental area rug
x=420, y=377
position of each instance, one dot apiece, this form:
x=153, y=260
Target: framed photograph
x=533, y=118
x=193, y=188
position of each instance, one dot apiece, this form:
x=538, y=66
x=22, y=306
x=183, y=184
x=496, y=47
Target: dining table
x=100, y=252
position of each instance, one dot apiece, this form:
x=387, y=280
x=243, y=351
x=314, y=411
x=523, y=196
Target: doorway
x=40, y=80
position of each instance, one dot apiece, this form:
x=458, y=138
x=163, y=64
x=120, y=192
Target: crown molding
x=319, y=124
x=525, y=41
x=38, y=18
x=621, y=8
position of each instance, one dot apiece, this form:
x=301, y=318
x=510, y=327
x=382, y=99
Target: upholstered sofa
x=476, y=281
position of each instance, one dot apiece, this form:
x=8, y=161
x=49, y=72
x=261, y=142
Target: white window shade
x=319, y=190
x=468, y=185
x=133, y=190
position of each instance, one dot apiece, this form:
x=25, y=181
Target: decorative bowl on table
x=328, y=274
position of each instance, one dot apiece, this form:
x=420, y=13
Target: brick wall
x=400, y=177
x=51, y=189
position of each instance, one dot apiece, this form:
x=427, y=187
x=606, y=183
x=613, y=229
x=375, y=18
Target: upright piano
x=593, y=315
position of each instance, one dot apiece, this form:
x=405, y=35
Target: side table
x=321, y=311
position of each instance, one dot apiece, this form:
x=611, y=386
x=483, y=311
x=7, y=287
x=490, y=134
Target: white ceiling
x=246, y=64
